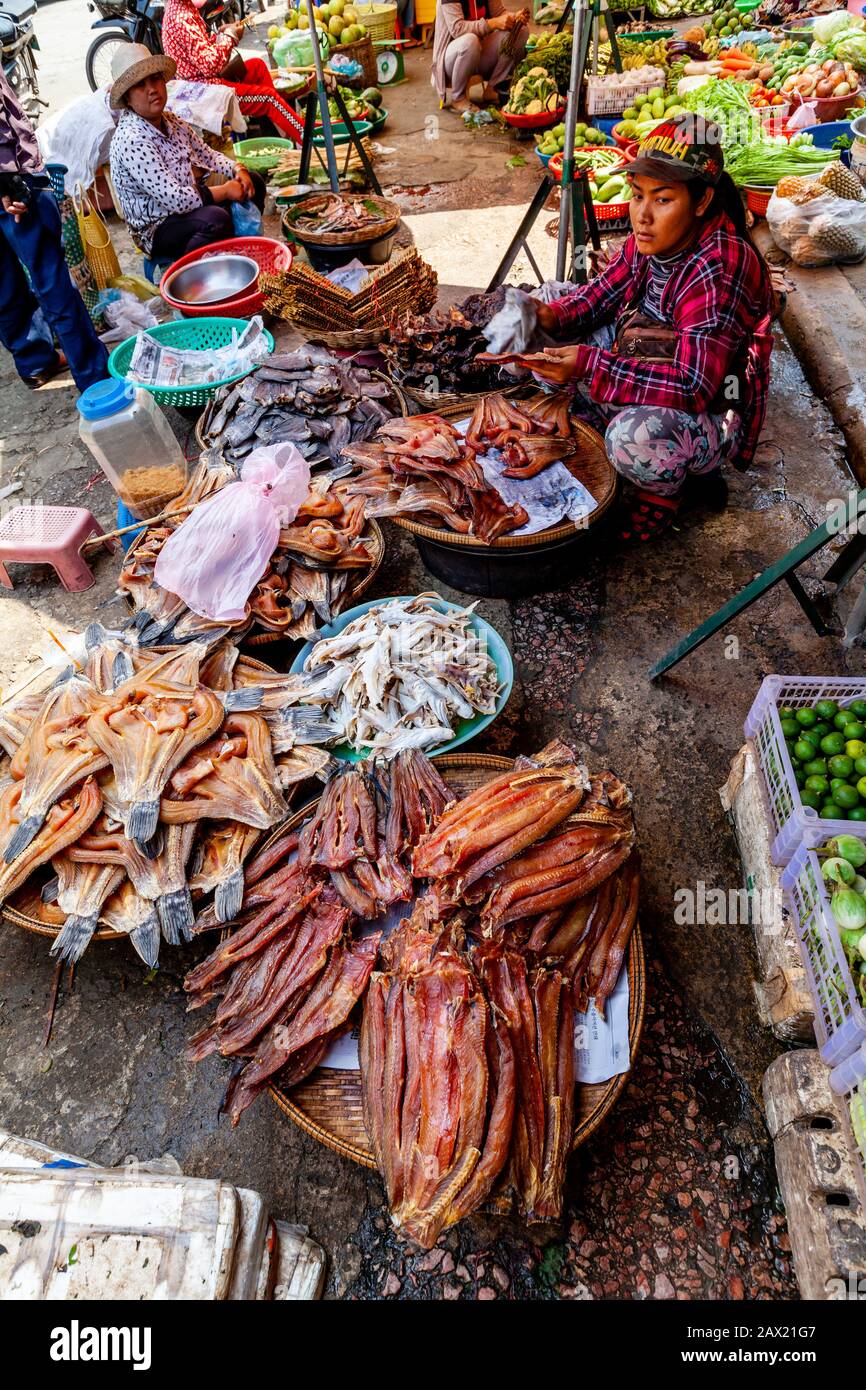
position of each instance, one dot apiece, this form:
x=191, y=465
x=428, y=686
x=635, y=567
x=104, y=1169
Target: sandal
x=47, y=374
x=649, y=516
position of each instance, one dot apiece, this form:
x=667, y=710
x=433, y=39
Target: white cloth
x=152, y=171
x=79, y=136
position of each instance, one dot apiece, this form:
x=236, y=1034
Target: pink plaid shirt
x=720, y=300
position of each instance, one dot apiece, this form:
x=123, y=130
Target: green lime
x=817, y=784
x=860, y=766
x=842, y=718
x=841, y=766
x=858, y=707
x=811, y=736
x=836, y=782
x=830, y=811
x=810, y=799
x=857, y=813
x=790, y=728
x=786, y=712
x=826, y=708
x=816, y=768
x=855, y=748
x=845, y=796
x=806, y=718
x=855, y=729
x=804, y=750
x=861, y=787
x=799, y=777
x=833, y=743
x=821, y=728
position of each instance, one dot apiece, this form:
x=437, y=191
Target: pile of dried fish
x=398, y=677
x=309, y=397
x=330, y=212
x=140, y=778
x=437, y=353
x=308, y=581
x=289, y=977
x=424, y=467
x=467, y=1036
x=530, y=434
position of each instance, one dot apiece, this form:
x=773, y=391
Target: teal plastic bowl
x=185, y=333
x=466, y=729
x=340, y=132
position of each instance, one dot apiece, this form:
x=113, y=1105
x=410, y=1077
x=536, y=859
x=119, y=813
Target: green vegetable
x=848, y=847
x=838, y=870
x=849, y=909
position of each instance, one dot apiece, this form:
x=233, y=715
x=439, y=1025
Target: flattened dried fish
x=81, y=891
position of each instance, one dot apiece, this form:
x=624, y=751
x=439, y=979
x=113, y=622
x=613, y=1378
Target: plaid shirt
x=720, y=301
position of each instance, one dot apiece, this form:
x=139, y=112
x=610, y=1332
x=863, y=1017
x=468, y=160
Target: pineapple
x=842, y=182
x=791, y=184
x=808, y=195
x=844, y=242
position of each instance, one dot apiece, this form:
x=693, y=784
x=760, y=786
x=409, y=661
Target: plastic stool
x=49, y=536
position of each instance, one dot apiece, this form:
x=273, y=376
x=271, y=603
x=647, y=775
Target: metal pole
x=322, y=96
x=581, y=19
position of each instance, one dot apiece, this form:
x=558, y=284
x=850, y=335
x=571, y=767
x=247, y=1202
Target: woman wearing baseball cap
x=673, y=340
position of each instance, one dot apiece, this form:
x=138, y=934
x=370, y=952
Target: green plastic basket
x=247, y=152
x=185, y=333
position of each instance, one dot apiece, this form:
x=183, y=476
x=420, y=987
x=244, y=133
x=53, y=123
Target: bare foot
x=490, y=97
x=462, y=104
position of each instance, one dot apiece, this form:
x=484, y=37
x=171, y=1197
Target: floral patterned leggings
x=655, y=446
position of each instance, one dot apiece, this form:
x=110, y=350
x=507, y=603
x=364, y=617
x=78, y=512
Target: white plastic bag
x=823, y=231
x=215, y=559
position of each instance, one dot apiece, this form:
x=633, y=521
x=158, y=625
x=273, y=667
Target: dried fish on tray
x=401, y=675
x=423, y=466
x=309, y=397
x=174, y=765
x=466, y=1051
x=443, y=346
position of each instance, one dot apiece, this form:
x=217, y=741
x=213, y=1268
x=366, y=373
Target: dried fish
x=232, y=777
x=66, y=820
x=219, y=867
x=81, y=891
x=133, y=916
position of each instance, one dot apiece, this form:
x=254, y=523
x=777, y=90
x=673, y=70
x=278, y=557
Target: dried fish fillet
x=145, y=729
x=81, y=891
x=67, y=819
x=57, y=752
x=134, y=916
x=223, y=847
x=232, y=777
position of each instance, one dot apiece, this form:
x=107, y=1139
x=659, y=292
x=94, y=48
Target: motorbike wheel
x=97, y=64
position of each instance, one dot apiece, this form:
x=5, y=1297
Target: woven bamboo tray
x=345, y=339
x=328, y=1104
x=393, y=212
x=590, y=466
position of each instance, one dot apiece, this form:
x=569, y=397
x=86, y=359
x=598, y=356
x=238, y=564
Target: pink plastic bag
x=215, y=559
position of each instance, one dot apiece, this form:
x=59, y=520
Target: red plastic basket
x=554, y=166
x=269, y=255
x=758, y=198
x=539, y=122
x=623, y=141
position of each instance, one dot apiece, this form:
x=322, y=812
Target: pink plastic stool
x=49, y=536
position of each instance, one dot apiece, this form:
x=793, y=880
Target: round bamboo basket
x=328, y=1105
x=591, y=466
x=26, y=909
x=392, y=212
x=344, y=340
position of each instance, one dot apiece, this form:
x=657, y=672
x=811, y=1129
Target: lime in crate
x=824, y=890
x=810, y=799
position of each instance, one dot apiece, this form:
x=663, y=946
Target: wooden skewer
x=135, y=526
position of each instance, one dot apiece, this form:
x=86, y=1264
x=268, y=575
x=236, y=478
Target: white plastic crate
x=606, y=96
x=848, y=1080
x=840, y=1019
x=794, y=823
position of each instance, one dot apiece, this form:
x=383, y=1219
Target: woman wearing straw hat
x=204, y=57
x=152, y=157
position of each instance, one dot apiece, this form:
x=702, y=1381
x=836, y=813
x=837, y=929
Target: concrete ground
x=675, y=1196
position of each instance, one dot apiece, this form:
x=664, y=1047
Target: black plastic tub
x=327, y=258
x=511, y=573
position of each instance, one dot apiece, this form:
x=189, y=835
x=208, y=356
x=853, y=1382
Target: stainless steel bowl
x=212, y=280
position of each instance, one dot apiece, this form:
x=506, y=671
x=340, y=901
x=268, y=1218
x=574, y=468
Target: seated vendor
x=152, y=158
x=204, y=57
x=672, y=358
x=475, y=40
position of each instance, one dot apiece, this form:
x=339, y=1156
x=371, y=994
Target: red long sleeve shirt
x=200, y=56
x=720, y=301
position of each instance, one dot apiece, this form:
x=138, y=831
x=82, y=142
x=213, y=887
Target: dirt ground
x=675, y=1196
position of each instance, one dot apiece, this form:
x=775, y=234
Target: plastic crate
x=794, y=823
x=840, y=1019
x=606, y=97
x=848, y=1081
